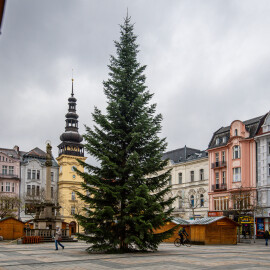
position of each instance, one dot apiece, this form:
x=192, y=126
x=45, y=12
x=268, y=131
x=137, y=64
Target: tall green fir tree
x=126, y=195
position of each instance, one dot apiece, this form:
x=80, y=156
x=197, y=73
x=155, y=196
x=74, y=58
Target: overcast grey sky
x=208, y=63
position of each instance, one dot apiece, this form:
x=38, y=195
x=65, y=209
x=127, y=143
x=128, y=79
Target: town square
x=242, y=256
x=134, y=134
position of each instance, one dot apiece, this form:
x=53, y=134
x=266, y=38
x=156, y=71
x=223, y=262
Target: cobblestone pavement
x=74, y=256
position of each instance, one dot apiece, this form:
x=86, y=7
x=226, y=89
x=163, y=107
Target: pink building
x=232, y=169
x=9, y=171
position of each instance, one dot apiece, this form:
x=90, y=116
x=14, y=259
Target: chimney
x=16, y=148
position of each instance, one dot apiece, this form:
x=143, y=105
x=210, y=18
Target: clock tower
x=70, y=150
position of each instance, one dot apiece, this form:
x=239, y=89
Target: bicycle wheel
x=177, y=242
x=187, y=243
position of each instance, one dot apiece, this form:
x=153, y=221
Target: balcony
x=219, y=187
x=218, y=164
x=9, y=176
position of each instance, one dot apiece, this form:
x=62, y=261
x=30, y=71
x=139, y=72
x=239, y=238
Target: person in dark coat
x=266, y=237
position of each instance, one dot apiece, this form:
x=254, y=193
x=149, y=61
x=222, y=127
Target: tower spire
x=72, y=94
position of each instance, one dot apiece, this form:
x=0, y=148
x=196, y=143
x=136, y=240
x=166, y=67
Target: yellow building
x=70, y=150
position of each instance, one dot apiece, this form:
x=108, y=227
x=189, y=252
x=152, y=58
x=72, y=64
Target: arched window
x=201, y=200
x=192, y=200
x=236, y=151
x=180, y=202
x=73, y=197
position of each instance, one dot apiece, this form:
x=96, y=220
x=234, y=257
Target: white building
x=189, y=180
x=263, y=176
x=33, y=181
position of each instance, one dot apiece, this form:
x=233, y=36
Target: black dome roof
x=71, y=137
x=72, y=115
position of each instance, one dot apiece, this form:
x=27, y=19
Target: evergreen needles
x=127, y=199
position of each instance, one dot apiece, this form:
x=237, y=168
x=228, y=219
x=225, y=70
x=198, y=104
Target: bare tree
x=32, y=200
x=194, y=200
x=243, y=203
x=9, y=205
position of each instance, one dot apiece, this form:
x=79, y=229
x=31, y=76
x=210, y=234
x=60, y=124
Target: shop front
x=246, y=226
x=262, y=222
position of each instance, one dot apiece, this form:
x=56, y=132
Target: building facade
x=10, y=177
x=232, y=172
x=70, y=150
x=189, y=180
x=263, y=176
x=33, y=181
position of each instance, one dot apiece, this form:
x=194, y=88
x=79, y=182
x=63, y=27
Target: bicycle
x=186, y=242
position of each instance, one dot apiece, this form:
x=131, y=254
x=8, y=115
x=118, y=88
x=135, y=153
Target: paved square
x=74, y=256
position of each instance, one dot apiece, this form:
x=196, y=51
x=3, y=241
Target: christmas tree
x=126, y=195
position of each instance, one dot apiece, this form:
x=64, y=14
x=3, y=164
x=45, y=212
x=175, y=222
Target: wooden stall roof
x=202, y=221
x=6, y=218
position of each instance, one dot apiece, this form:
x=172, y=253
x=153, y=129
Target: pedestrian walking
x=58, y=238
x=266, y=237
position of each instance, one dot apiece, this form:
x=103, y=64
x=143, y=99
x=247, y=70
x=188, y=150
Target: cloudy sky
x=208, y=63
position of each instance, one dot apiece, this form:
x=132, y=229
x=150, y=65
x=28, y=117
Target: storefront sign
x=246, y=219
x=221, y=223
x=215, y=214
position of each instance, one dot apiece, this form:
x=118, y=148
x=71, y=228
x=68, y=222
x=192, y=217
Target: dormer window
x=217, y=141
x=235, y=132
x=224, y=139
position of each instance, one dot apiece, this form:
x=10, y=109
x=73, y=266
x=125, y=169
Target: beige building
x=70, y=150
x=189, y=180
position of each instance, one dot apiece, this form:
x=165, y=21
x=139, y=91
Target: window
x=269, y=148
x=201, y=174
x=192, y=176
x=73, y=197
x=217, y=178
x=28, y=190
x=2, y=187
x=52, y=176
x=223, y=177
x=170, y=180
x=236, y=151
x=72, y=210
x=51, y=192
x=38, y=191
x=38, y=174
x=13, y=187
x=7, y=186
x=221, y=203
x=217, y=157
x=180, y=202
x=236, y=174
x=11, y=170
x=192, y=200
x=201, y=200
x=224, y=139
x=28, y=174
x=217, y=141
x=223, y=156
x=4, y=169
x=33, y=174
x=180, y=178
x=235, y=132
x=33, y=190
x=241, y=202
